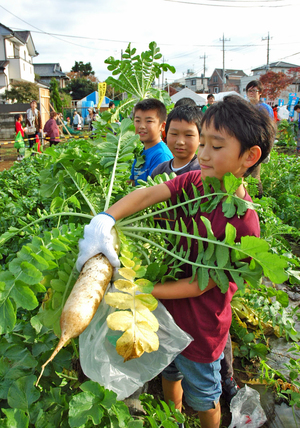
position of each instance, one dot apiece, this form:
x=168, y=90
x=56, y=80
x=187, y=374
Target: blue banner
x=293, y=100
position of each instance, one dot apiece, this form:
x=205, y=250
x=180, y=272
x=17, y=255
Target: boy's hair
x=53, y=114
x=186, y=101
x=240, y=119
x=191, y=114
x=110, y=104
x=210, y=96
x=297, y=106
x=17, y=116
x=255, y=84
x=152, y=104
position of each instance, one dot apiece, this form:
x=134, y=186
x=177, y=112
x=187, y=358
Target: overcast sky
x=66, y=31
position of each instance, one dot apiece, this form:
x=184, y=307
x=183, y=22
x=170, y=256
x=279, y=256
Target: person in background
x=51, y=129
x=111, y=106
x=19, y=128
x=149, y=120
x=76, y=120
x=275, y=112
x=297, y=110
x=185, y=101
x=210, y=102
x=33, y=123
x=254, y=91
x=90, y=118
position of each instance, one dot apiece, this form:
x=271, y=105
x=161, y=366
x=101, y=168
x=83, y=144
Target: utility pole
x=204, y=68
x=223, y=48
x=268, y=47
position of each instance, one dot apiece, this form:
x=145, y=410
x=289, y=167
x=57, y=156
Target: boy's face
x=210, y=100
x=20, y=118
x=220, y=153
x=183, y=140
x=254, y=95
x=148, y=127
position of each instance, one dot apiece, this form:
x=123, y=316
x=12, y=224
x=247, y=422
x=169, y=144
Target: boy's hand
x=98, y=239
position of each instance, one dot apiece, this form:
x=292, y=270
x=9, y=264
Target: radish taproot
x=84, y=299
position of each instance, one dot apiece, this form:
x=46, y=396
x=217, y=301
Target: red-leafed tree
x=275, y=83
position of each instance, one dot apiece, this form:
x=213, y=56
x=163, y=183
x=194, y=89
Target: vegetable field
x=45, y=202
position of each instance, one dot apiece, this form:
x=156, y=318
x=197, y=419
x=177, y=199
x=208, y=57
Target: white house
x=16, y=53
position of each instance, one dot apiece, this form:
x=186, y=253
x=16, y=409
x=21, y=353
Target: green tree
x=80, y=88
x=83, y=69
x=55, y=96
x=22, y=92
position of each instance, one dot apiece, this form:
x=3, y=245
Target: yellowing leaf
x=144, y=315
x=144, y=285
x=137, y=340
x=148, y=300
x=124, y=284
x=120, y=320
x=119, y=300
x=127, y=273
x=128, y=263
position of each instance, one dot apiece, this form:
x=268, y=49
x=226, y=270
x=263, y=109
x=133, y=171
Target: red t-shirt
x=207, y=318
x=19, y=128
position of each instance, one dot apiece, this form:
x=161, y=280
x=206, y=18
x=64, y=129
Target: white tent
x=199, y=99
x=221, y=95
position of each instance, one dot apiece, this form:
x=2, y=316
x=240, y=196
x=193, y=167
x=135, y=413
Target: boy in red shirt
x=234, y=138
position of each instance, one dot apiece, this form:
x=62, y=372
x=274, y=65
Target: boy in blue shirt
x=149, y=122
x=234, y=138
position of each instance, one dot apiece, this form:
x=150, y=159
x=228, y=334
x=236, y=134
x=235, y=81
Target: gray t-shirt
x=167, y=167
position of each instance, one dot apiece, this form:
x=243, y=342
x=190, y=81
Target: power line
x=45, y=32
x=232, y=5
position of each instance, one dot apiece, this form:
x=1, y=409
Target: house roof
x=50, y=70
x=231, y=72
x=278, y=64
x=20, y=37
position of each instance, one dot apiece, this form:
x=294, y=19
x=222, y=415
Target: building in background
x=17, y=51
x=231, y=81
x=45, y=72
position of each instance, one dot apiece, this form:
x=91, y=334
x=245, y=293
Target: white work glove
x=98, y=239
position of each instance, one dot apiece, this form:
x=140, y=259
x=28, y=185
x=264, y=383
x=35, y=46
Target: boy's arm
x=181, y=289
x=138, y=200
x=97, y=234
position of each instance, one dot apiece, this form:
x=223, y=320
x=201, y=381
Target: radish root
x=83, y=301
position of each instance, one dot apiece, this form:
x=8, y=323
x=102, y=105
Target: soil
x=8, y=156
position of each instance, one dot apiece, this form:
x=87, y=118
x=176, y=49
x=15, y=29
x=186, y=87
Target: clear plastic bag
x=246, y=409
x=101, y=362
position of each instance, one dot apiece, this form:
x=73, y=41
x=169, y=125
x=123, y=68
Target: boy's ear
x=253, y=155
x=163, y=125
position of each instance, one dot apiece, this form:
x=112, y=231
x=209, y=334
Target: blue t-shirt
x=153, y=157
x=267, y=108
